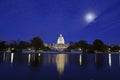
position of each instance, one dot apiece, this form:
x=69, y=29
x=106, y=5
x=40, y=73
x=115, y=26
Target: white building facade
x=60, y=45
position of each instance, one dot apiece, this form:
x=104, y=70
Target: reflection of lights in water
x=12, y=57
x=49, y=58
x=39, y=56
x=3, y=57
x=119, y=59
x=110, y=62
x=80, y=59
x=60, y=62
x=95, y=59
x=29, y=55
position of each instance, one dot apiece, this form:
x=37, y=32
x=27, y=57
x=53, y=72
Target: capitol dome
x=60, y=40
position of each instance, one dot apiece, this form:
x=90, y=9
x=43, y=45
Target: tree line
x=97, y=46
x=35, y=43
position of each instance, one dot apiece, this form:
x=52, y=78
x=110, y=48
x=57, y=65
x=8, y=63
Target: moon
x=89, y=17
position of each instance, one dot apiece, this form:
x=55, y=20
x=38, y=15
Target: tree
x=83, y=45
x=3, y=45
x=23, y=45
x=72, y=46
x=98, y=45
x=115, y=48
x=37, y=43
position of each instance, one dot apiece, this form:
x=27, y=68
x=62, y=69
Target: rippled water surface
x=18, y=66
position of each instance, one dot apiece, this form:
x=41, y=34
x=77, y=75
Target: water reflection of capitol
x=61, y=60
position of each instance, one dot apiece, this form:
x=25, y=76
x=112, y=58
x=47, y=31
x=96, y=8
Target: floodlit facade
x=60, y=40
x=60, y=45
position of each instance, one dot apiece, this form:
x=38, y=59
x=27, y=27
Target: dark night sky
x=24, y=19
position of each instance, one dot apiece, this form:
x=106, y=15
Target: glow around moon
x=89, y=17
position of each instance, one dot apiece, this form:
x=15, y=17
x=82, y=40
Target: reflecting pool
x=18, y=66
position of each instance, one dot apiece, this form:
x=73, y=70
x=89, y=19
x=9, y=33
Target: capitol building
x=60, y=45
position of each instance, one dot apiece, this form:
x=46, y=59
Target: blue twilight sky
x=25, y=19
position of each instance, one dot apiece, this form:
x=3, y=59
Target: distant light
x=12, y=48
x=79, y=49
x=29, y=48
x=39, y=54
x=89, y=17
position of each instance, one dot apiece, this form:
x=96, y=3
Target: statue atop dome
x=60, y=40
